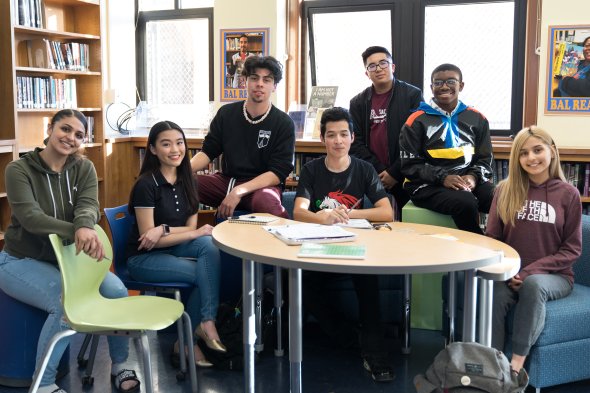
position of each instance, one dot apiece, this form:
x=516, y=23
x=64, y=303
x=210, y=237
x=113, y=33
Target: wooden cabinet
x=126, y=157
x=67, y=23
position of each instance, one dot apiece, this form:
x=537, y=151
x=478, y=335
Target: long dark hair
x=151, y=163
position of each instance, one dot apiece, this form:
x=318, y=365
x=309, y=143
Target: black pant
x=463, y=206
x=334, y=323
x=401, y=197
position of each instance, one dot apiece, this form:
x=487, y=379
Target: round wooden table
x=408, y=248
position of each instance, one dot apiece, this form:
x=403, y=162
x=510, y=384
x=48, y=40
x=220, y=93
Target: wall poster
x=568, y=70
x=236, y=46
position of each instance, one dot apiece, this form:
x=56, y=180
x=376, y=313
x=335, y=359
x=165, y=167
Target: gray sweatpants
x=529, y=309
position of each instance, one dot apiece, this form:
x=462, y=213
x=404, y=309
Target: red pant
x=213, y=188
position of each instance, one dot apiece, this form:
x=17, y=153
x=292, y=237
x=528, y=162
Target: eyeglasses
x=449, y=82
x=383, y=64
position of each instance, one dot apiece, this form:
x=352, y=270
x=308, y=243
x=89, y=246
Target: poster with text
x=237, y=45
x=568, y=70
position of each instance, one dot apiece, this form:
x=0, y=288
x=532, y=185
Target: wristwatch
x=166, y=229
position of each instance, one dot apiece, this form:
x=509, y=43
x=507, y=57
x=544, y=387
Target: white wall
x=567, y=130
x=234, y=14
x=119, y=67
x=228, y=14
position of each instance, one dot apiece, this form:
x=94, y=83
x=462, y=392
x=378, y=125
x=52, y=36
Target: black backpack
x=229, y=326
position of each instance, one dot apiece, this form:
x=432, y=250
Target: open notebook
x=296, y=234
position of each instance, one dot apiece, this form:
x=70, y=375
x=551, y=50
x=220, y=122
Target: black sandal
x=125, y=375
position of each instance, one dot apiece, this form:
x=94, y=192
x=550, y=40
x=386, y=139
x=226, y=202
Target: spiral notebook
x=251, y=219
x=296, y=234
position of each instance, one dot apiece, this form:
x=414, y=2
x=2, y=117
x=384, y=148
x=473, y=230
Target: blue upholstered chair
x=19, y=333
x=562, y=352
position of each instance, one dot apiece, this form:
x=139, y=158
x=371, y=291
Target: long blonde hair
x=513, y=191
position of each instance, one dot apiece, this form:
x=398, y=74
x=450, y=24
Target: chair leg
x=278, y=306
x=486, y=295
x=147, y=362
x=406, y=314
x=452, y=304
x=48, y=351
x=258, y=275
x=192, y=368
x=81, y=360
x=181, y=343
x=87, y=379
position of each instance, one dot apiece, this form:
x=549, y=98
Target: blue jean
x=38, y=284
x=170, y=264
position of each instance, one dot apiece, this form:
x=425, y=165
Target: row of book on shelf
x=576, y=173
x=29, y=13
x=45, y=92
x=44, y=53
x=233, y=43
x=90, y=136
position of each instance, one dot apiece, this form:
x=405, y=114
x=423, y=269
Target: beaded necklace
x=255, y=121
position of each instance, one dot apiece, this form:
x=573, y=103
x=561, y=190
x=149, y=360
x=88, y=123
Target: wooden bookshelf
x=64, y=21
x=126, y=155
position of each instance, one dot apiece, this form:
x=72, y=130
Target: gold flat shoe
x=213, y=344
x=203, y=363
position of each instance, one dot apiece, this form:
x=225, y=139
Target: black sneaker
x=379, y=369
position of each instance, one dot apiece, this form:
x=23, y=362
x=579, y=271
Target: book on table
x=252, y=219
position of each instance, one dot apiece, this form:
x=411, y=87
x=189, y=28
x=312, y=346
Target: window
x=175, y=58
x=484, y=38
x=478, y=38
x=337, y=39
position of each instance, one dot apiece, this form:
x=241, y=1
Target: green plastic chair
x=426, y=301
x=88, y=312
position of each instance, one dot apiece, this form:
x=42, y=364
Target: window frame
x=143, y=17
x=518, y=57
x=329, y=7
x=408, y=20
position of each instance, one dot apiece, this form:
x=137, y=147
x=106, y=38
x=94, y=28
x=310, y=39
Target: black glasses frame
x=383, y=64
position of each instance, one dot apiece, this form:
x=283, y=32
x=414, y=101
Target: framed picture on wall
x=236, y=46
x=568, y=70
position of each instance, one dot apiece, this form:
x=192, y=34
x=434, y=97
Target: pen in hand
x=358, y=202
